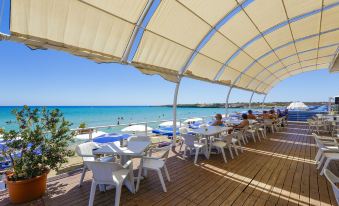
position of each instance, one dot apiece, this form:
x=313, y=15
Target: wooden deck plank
x=261, y=179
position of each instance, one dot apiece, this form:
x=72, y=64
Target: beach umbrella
x=86, y=136
x=297, y=106
x=112, y=137
x=136, y=128
x=193, y=120
x=168, y=124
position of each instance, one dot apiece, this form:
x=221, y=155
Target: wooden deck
x=277, y=171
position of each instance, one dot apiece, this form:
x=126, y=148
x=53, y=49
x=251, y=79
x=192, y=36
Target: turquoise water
x=108, y=115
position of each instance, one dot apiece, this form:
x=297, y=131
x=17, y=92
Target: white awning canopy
x=247, y=44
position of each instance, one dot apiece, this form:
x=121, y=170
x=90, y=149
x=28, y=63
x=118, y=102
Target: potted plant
x=83, y=130
x=38, y=145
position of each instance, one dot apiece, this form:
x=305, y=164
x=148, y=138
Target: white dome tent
x=297, y=106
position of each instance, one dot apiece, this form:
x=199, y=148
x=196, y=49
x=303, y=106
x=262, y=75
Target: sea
x=111, y=115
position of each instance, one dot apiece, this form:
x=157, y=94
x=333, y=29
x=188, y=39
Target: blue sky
x=48, y=77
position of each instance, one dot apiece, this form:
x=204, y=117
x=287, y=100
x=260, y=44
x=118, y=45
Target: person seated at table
x=250, y=115
x=218, y=121
x=272, y=114
x=279, y=113
x=243, y=123
x=266, y=115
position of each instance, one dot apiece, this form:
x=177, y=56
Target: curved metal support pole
x=175, y=101
x=263, y=101
x=227, y=98
x=135, y=31
x=250, y=102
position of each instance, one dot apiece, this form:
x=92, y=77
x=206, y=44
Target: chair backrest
x=85, y=150
x=268, y=122
x=165, y=151
x=228, y=138
x=103, y=171
x=140, y=138
x=237, y=135
x=333, y=180
x=189, y=139
x=183, y=130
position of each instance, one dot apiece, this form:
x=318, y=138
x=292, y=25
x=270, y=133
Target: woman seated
x=265, y=115
x=218, y=120
x=251, y=115
x=272, y=115
x=243, y=123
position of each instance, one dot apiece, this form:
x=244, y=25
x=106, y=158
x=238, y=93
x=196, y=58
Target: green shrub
x=39, y=144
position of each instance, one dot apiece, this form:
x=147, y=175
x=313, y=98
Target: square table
x=133, y=148
x=208, y=132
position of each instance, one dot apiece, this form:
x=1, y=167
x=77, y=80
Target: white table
x=238, y=121
x=208, y=132
x=134, y=148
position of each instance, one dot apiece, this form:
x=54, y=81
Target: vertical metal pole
x=263, y=101
x=227, y=98
x=146, y=129
x=250, y=103
x=175, y=101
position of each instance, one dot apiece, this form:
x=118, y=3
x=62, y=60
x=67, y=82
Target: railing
x=91, y=130
x=302, y=116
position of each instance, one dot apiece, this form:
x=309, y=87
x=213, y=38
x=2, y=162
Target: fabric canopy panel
x=98, y=30
x=247, y=44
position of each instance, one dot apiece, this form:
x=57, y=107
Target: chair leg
x=196, y=155
x=321, y=162
x=92, y=194
x=223, y=154
x=139, y=176
x=253, y=137
x=317, y=156
x=258, y=136
x=230, y=149
x=185, y=150
x=161, y=180
x=240, y=147
x=117, y=194
x=235, y=149
x=325, y=166
x=167, y=174
x=84, y=169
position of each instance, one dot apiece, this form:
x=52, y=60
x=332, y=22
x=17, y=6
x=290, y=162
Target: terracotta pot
x=27, y=190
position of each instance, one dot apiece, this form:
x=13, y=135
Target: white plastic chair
x=324, y=146
x=85, y=150
x=191, y=142
x=333, y=180
x=224, y=141
x=237, y=138
x=182, y=131
x=268, y=123
x=254, y=130
x=109, y=173
x=155, y=163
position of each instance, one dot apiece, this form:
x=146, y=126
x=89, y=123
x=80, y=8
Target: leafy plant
x=82, y=125
x=39, y=144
